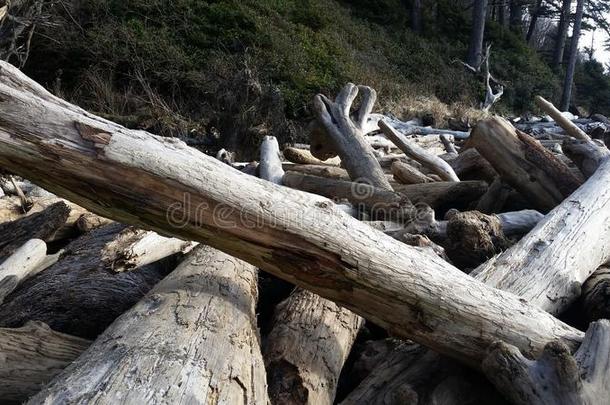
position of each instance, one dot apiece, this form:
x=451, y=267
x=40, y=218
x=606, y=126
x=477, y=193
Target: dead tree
x=321, y=249
x=193, y=338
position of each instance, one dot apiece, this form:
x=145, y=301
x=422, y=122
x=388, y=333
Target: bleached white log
x=561, y=252
x=271, y=162
x=144, y=179
x=564, y=122
x=411, y=128
x=21, y=265
x=192, y=339
x=434, y=163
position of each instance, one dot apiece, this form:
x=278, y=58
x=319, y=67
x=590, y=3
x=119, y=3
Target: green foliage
x=593, y=87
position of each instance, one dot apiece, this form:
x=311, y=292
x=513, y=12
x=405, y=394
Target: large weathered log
x=307, y=347
x=80, y=295
x=523, y=163
x=31, y=356
x=345, y=137
x=192, y=339
x=561, y=252
x=166, y=186
x=432, y=162
x=311, y=337
x=470, y=165
x=557, y=377
x=41, y=225
x=23, y=263
x=304, y=157
x=596, y=295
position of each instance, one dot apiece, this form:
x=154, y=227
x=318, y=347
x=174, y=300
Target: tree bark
x=180, y=191
x=80, y=295
x=561, y=252
x=524, y=163
x=596, y=295
x=41, y=225
x=557, y=377
x=562, y=34
x=566, y=96
x=475, y=49
x=32, y=356
x=307, y=347
x=193, y=338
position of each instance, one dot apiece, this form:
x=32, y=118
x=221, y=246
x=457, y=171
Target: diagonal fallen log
x=524, y=163
x=432, y=162
x=311, y=337
x=561, y=252
x=164, y=185
x=192, y=339
x=32, y=356
x=557, y=377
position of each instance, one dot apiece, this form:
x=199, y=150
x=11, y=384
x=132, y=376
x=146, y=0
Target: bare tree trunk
x=533, y=22
x=192, y=339
x=569, y=79
x=416, y=16
x=32, y=356
x=163, y=184
x=516, y=16
x=562, y=34
x=475, y=49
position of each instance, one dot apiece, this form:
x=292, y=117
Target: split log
x=432, y=162
x=41, y=225
x=561, y=252
x=586, y=155
x=344, y=137
x=32, y=356
x=304, y=157
x=80, y=295
x=560, y=119
x=20, y=265
x=523, y=163
x=596, y=295
x=140, y=179
x=406, y=174
x=307, y=347
x=192, y=339
x=311, y=337
x=557, y=377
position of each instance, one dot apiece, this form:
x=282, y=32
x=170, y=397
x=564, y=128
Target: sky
x=598, y=37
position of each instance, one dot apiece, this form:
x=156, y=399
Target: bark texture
x=192, y=339
x=79, y=295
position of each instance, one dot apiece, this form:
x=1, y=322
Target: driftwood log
x=23, y=263
x=523, y=163
x=339, y=135
x=80, y=295
x=560, y=119
x=166, y=186
x=432, y=162
x=407, y=174
x=192, y=339
x=31, y=356
x=311, y=337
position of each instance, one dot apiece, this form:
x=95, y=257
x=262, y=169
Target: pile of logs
x=383, y=263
